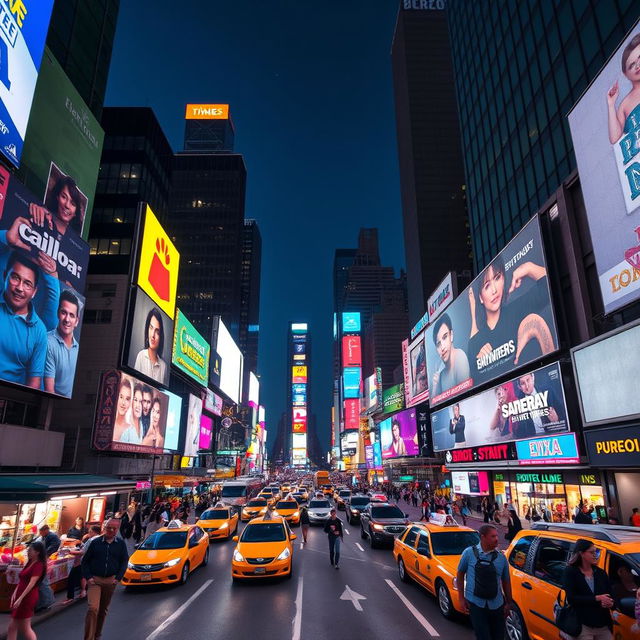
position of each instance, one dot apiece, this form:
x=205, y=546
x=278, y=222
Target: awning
x=33, y=487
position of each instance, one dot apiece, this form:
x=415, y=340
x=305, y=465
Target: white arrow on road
x=354, y=597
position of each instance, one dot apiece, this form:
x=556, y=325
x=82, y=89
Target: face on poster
x=399, y=435
x=531, y=405
x=416, y=383
x=605, y=125
x=192, y=435
x=150, y=340
x=501, y=321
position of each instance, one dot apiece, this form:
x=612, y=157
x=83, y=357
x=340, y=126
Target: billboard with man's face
x=605, y=129
x=502, y=321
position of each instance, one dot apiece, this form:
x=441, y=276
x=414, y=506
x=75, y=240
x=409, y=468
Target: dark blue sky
x=311, y=95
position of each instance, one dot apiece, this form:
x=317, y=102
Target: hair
x=125, y=383
x=40, y=551
x=95, y=528
x=580, y=547
x=444, y=319
x=147, y=389
x=635, y=509
x=44, y=526
x=485, y=529
x=51, y=203
x=154, y=313
x=633, y=43
x=67, y=296
x=80, y=518
x=25, y=262
x=138, y=386
x=498, y=267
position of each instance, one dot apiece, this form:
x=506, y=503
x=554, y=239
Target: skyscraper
x=429, y=149
x=208, y=129
x=250, y=294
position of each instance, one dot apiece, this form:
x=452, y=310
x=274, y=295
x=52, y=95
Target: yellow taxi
x=264, y=549
x=303, y=491
x=253, y=508
x=537, y=558
x=219, y=522
x=429, y=553
x=285, y=488
x=270, y=495
x=328, y=489
x=167, y=556
x=289, y=509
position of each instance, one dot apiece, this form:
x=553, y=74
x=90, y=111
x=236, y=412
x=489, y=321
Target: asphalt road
x=363, y=599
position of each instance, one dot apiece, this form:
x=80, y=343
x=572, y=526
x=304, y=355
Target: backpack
x=486, y=578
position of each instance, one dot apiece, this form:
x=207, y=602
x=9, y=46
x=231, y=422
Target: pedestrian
x=25, y=596
x=51, y=544
x=513, y=525
x=79, y=530
x=304, y=523
x=333, y=528
x=75, y=579
x=103, y=566
x=583, y=516
x=485, y=509
x=425, y=509
x=487, y=590
x=634, y=520
x=588, y=591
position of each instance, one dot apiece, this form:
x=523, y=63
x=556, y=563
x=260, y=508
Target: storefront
x=555, y=494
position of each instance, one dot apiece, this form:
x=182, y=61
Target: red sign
x=488, y=453
x=351, y=351
x=300, y=427
x=351, y=414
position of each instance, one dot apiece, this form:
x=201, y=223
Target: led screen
x=254, y=389
x=232, y=363
x=299, y=440
x=192, y=432
x=351, y=414
x=399, y=435
x=299, y=374
x=351, y=351
x=416, y=379
x=351, y=378
x=190, y=350
x=174, y=413
x=206, y=432
x=351, y=322
x=470, y=483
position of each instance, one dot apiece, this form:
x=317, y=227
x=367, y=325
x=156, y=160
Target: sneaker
x=335, y=566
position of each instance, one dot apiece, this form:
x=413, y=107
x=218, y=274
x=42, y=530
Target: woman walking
x=304, y=523
x=513, y=525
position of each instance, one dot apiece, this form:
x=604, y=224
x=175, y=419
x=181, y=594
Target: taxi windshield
x=215, y=514
x=386, y=512
x=319, y=504
x=165, y=540
x=343, y=493
x=267, y=532
x=257, y=503
x=360, y=501
x=453, y=543
x=289, y=504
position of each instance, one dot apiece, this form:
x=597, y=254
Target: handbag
x=567, y=618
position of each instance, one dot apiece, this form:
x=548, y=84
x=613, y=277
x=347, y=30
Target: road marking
x=359, y=546
x=302, y=545
x=178, y=612
x=348, y=532
x=297, y=620
x=349, y=594
x=416, y=614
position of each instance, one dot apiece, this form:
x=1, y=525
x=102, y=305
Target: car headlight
x=224, y=525
x=172, y=563
x=237, y=556
x=296, y=514
x=130, y=565
x=263, y=510
x=378, y=527
x=284, y=555
x=355, y=511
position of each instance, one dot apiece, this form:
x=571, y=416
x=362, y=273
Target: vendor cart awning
x=34, y=487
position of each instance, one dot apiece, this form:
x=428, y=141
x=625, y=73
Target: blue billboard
x=377, y=456
x=351, y=378
x=172, y=431
x=23, y=30
x=549, y=450
x=351, y=322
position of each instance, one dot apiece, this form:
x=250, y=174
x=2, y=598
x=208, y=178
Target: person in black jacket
x=334, y=529
x=513, y=525
x=588, y=591
x=304, y=523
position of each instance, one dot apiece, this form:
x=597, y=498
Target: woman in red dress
x=25, y=596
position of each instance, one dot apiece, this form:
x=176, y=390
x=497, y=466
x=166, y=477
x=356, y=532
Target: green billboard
x=393, y=399
x=62, y=146
x=190, y=350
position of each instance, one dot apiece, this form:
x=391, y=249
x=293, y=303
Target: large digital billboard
x=351, y=379
x=351, y=351
x=131, y=415
x=63, y=139
x=414, y=365
x=192, y=431
x=351, y=414
x=299, y=374
x=254, y=389
x=235, y=432
x=393, y=399
x=232, y=362
x=351, y=322
x=206, y=432
x=190, y=350
x=533, y=404
x=502, y=321
x=399, y=435
x=23, y=31
x=174, y=415
x=158, y=264
x=149, y=340
x=605, y=125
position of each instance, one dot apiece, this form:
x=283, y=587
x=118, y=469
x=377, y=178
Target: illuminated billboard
x=351, y=351
x=605, y=126
x=174, y=414
x=299, y=327
x=190, y=350
x=158, y=264
x=192, y=432
x=232, y=362
x=254, y=389
x=351, y=322
x=206, y=432
x=351, y=379
x=501, y=322
x=299, y=440
x=207, y=112
x=299, y=374
x=399, y=435
x=351, y=414
x=212, y=402
x=414, y=364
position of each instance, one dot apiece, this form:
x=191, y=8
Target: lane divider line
x=416, y=614
x=179, y=611
x=347, y=530
x=359, y=546
x=297, y=620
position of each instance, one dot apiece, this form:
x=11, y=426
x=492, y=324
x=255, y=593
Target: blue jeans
x=488, y=624
x=334, y=549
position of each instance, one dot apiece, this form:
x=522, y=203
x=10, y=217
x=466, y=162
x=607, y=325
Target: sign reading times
x=207, y=112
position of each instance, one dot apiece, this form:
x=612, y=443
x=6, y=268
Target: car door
x=192, y=548
x=518, y=570
x=408, y=551
x=424, y=561
x=365, y=517
x=624, y=576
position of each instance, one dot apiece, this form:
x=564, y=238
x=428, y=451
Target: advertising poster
x=368, y=455
x=399, y=435
x=605, y=125
x=351, y=322
x=23, y=31
x=377, y=456
x=299, y=420
x=560, y=449
x=190, y=350
x=351, y=351
x=414, y=363
x=63, y=138
x=131, y=416
x=172, y=430
x=425, y=443
x=470, y=483
x=235, y=431
x=442, y=296
x=231, y=358
x=192, y=432
x=502, y=321
x=533, y=404
x=299, y=374
x=370, y=392
x=206, y=431
x=215, y=367
x=213, y=402
x=351, y=378
x=43, y=270
x=158, y=264
x=351, y=414
x=150, y=340
x=393, y=398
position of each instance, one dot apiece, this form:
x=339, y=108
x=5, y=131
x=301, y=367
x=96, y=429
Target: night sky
x=311, y=95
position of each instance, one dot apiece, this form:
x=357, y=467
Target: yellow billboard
x=299, y=374
x=207, y=112
x=158, y=265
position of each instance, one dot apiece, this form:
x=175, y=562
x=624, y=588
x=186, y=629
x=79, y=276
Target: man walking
x=487, y=589
x=336, y=535
x=103, y=566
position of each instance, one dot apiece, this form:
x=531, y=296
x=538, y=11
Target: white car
x=319, y=511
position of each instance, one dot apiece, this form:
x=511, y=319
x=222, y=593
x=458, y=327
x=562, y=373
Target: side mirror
x=293, y=536
x=235, y=538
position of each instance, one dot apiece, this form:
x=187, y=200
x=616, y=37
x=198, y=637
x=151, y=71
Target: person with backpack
x=484, y=572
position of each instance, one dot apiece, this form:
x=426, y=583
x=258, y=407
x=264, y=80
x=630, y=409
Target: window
x=97, y=316
x=519, y=553
x=424, y=548
x=551, y=560
x=624, y=578
x=410, y=538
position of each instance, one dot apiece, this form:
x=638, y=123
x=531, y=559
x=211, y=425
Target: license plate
x=145, y=577
x=260, y=570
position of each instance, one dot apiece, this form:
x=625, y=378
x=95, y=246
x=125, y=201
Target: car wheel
x=402, y=571
x=184, y=576
x=515, y=625
x=363, y=535
x=205, y=560
x=444, y=600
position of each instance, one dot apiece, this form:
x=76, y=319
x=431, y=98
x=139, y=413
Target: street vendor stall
x=29, y=501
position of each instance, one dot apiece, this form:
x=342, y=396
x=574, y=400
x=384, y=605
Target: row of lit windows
x=109, y=246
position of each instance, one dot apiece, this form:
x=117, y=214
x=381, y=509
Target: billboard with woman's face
x=605, y=129
x=502, y=321
x=399, y=435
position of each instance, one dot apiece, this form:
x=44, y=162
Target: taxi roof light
x=443, y=520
